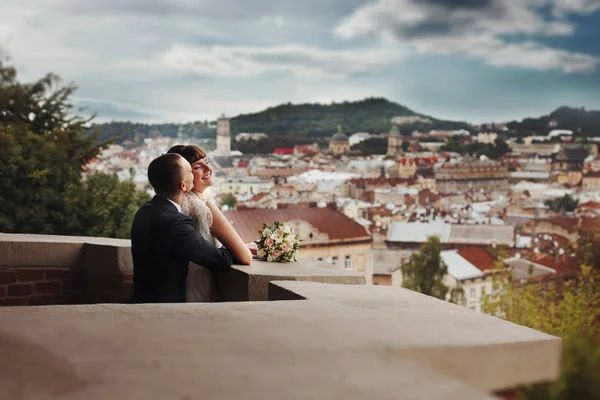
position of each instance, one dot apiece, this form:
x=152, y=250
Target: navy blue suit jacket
x=163, y=242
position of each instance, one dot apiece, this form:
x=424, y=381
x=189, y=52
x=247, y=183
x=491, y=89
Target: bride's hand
x=253, y=248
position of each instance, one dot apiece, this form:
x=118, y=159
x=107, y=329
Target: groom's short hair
x=165, y=173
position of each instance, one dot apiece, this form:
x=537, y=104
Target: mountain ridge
x=316, y=120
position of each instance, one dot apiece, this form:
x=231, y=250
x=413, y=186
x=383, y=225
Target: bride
x=210, y=222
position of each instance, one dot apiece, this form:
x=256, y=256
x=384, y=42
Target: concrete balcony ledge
x=338, y=339
x=343, y=341
x=486, y=352
x=100, y=270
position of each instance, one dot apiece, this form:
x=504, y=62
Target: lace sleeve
x=201, y=215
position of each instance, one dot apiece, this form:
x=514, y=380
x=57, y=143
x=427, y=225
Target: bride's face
x=203, y=174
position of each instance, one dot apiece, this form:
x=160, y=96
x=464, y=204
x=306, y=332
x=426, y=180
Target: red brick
x=17, y=301
x=2, y=292
x=30, y=275
x=72, y=285
x=19, y=289
x=43, y=300
x=53, y=287
x=56, y=274
x=7, y=277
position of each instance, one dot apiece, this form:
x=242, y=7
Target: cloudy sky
x=179, y=60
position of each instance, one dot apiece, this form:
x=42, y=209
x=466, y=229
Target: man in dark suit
x=163, y=240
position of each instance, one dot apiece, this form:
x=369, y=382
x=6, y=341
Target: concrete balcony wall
x=330, y=338
x=45, y=270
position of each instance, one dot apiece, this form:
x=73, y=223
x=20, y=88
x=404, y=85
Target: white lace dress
x=201, y=282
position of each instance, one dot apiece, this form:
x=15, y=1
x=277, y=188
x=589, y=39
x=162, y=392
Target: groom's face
x=188, y=176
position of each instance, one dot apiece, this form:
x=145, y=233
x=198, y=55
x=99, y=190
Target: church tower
x=223, y=138
x=394, y=141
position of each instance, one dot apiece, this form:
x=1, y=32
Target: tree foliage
x=136, y=132
x=570, y=310
x=372, y=145
x=492, y=151
x=319, y=120
x=44, y=150
x=228, y=200
x=268, y=145
x=578, y=120
x=425, y=270
x=588, y=247
x=562, y=204
x=101, y=205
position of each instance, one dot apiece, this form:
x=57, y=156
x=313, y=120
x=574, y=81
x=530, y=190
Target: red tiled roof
x=381, y=181
x=590, y=223
x=243, y=164
x=259, y=196
x=479, y=257
x=283, y=150
x=304, y=149
x=569, y=224
x=592, y=174
x=590, y=204
x=562, y=265
x=247, y=223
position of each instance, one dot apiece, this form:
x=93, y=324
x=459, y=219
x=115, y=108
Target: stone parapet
x=335, y=339
x=87, y=270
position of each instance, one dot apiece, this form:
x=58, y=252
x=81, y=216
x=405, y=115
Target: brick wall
x=47, y=285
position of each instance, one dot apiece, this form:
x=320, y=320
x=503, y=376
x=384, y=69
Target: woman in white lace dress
x=210, y=222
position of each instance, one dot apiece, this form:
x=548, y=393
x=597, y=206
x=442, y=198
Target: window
x=334, y=260
x=348, y=263
x=472, y=294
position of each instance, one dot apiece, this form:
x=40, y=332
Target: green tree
x=228, y=200
x=562, y=204
x=425, y=270
x=405, y=146
x=44, y=148
x=588, y=247
x=101, y=205
x=373, y=145
x=570, y=310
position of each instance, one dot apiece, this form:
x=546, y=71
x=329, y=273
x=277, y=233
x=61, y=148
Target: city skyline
x=158, y=61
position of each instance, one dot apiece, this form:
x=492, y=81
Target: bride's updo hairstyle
x=190, y=152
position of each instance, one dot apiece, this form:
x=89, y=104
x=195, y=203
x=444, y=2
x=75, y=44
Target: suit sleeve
x=189, y=244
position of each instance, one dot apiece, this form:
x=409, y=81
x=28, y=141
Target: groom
x=163, y=240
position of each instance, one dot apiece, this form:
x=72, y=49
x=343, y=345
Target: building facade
x=339, y=143
x=473, y=176
x=245, y=185
x=325, y=234
x=223, y=136
x=394, y=142
x=591, y=181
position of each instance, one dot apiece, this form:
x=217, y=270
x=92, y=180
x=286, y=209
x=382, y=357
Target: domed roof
x=339, y=137
x=395, y=132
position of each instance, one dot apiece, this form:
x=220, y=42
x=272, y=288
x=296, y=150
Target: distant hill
x=580, y=121
x=319, y=120
x=136, y=132
x=300, y=120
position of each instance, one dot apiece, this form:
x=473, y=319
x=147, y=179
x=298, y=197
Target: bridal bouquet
x=278, y=243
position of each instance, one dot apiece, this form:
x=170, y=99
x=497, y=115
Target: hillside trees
x=45, y=147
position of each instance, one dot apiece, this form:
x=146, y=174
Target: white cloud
x=474, y=31
x=301, y=62
x=563, y=7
